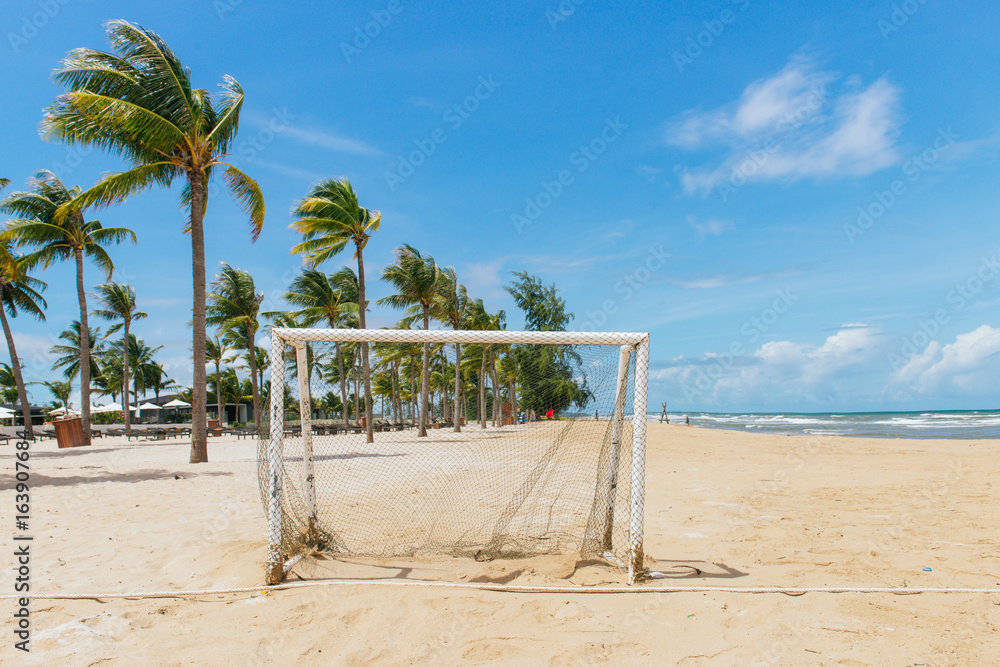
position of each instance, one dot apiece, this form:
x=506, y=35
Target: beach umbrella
x=177, y=403
x=57, y=411
x=110, y=407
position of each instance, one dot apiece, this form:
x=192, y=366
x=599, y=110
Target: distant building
x=38, y=415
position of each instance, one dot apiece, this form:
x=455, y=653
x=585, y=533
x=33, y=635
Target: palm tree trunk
x=357, y=395
x=128, y=422
x=513, y=400
x=255, y=389
x=425, y=370
x=219, y=405
x=482, y=391
x=199, y=435
x=15, y=366
x=458, y=381
x=343, y=385
x=395, y=391
x=362, y=303
x=497, y=404
x=84, y=347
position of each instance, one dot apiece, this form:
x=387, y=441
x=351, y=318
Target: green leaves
x=51, y=223
x=139, y=103
x=329, y=217
x=415, y=278
x=248, y=196
x=320, y=299
x=234, y=304
x=118, y=301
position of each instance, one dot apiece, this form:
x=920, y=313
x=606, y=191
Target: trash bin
x=364, y=422
x=213, y=423
x=69, y=432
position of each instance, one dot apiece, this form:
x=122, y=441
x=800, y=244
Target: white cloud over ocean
x=854, y=362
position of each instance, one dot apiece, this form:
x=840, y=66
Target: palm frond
x=248, y=196
x=228, y=123
x=116, y=188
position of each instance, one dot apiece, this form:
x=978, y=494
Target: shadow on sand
x=38, y=480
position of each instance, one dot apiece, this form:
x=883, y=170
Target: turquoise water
x=953, y=424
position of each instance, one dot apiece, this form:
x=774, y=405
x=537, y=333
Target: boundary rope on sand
x=505, y=588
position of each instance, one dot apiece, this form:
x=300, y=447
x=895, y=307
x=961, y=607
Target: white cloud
x=483, y=279
x=967, y=366
x=711, y=227
x=853, y=364
x=727, y=280
x=789, y=126
x=330, y=141
x=36, y=360
x=422, y=102
x=778, y=372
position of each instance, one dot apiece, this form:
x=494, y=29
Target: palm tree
x=70, y=359
x=140, y=104
x=61, y=391
x=8, y=263
x=216, y=351
x=450, y=308
x=140, y=360
x=329, y=218
x=158, y=381
x=320, y=299
x=478, y=319
x=118, y=301
x=263, y=363
x=415, y=278
x=19, y=292
x=8, y=385
x=51, y=221
x=234, y=305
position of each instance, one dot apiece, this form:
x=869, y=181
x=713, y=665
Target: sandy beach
x=723, y=508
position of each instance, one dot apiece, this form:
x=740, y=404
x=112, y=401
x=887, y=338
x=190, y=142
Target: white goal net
x=480, y=444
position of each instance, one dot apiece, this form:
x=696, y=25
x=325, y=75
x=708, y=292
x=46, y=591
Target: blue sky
x=797, y=200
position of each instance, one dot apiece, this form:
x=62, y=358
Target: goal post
x=524, y=485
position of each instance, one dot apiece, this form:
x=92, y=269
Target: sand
x=723, y=508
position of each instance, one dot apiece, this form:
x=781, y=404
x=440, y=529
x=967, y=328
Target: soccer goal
x=482, y=444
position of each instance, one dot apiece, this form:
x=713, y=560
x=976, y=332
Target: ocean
x=951, y=424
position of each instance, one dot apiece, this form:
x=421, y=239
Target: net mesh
x=539, y=463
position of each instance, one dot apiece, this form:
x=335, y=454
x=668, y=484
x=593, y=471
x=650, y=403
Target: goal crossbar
x=497, y=337
x=630, y=343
